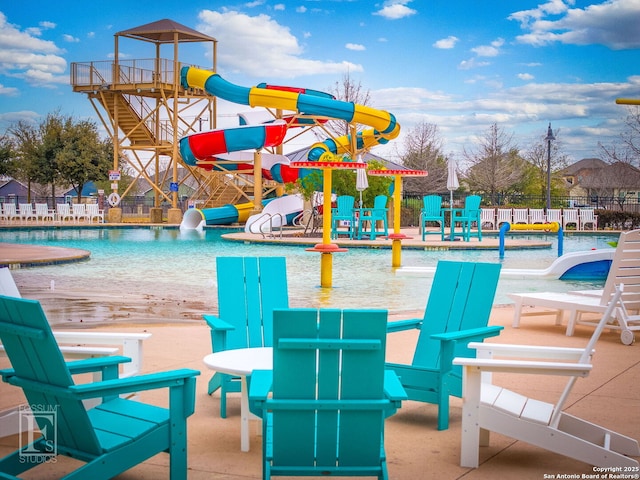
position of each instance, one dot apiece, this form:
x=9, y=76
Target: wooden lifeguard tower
x=142, y=105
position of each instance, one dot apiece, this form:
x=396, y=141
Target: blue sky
x=460, y=64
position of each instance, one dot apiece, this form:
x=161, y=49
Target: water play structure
x=236, y=147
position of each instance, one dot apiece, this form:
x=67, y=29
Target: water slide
x=585, y=265
x=279, y=211
x=205, y=148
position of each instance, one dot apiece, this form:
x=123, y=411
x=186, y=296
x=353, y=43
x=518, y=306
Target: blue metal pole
x=504, y=228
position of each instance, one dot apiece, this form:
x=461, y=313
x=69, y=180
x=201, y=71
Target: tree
x=83, y=157
x=27, y=153
x=496, y=167
x=423, y=151
x=346, y=90
x=535, y=180
x=7, y=155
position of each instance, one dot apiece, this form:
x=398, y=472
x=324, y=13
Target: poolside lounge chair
x=488, y=218
x=374, y=215
x=249, y=289
x=343, y=216
x=488, y=407
x=625, y=269
x=9, y=212
x=26, y=212
x=570, y=217
x=520, y=215
x=457, y=312
x=79, y=211
x=504, y=215
x=94, y=212
x=588, y=217
x=43, y=213
x=109, y=438
x=63, y=212
x=536, y=215
x=554, y=215
x=325, y=402
x=432, y=212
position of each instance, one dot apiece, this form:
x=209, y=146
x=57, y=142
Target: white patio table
x=241, y=362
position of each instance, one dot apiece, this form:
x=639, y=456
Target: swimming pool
x=180, y=265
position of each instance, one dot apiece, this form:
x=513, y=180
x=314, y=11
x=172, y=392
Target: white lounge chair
x=488, y=218
x=504, y=215
x=520, y=215
x=79, y=211
x=588, y=217
x=43, y=213
x=554, y=215
x=488, y=407
x=570, y=217
x=26, y=212
x=536, y=215
x=63, y=212
x=9, y=212
x=93, y=211
x=625, y=269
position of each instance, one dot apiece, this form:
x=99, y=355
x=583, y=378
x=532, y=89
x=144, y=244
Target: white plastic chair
x=93, y=211
x=504, y=215
x=554, y=215
x=79, y=211
x=520, y=215
x=63, y=212
x=588, y=217
x=43, y=213
x=536, y=215
x=488, y=407
x=570, y=217
x=488, y=217
x=26, y=212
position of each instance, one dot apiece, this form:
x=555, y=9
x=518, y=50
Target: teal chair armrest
x=393, y=389
x=470, y=334
x=216, y=323
x=260, y=384
x=89, y=365
x=402, y=325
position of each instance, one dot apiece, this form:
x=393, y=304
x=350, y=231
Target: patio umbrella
x=362, y=181
x=452, y=180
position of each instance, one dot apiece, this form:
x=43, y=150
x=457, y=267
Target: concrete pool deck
x=609, y=396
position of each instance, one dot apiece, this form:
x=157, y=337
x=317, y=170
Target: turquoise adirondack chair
x=110, y=438
x=324, y=404
x=457, y=313
x=373, y=215
x=432, y=212
x=469, y=215
x=343, y=214
x=249, y=289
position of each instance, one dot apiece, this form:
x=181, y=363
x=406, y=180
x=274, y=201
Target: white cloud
x=70, y=38
x=613, y=23
x=525, y=76
x=8, y=91
x=258, y=44
x=472, y=63
x=279, y=7
x=22, y=55
x=47, y=25
x=395, y=9
x=492, y=50
x=446, y=43
x=355, y=46
x=301, y=9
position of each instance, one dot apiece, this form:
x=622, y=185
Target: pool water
x=181, y=265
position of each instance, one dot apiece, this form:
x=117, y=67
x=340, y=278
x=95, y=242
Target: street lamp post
x=549, y=139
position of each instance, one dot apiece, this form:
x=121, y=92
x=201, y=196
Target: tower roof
x=163, y=31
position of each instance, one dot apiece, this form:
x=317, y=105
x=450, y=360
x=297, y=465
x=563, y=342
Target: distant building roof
x=584, y=164
x=163, y=31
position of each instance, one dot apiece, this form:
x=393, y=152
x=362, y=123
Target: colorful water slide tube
x=309, y=102
x=280, y=211
x=194, y=218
